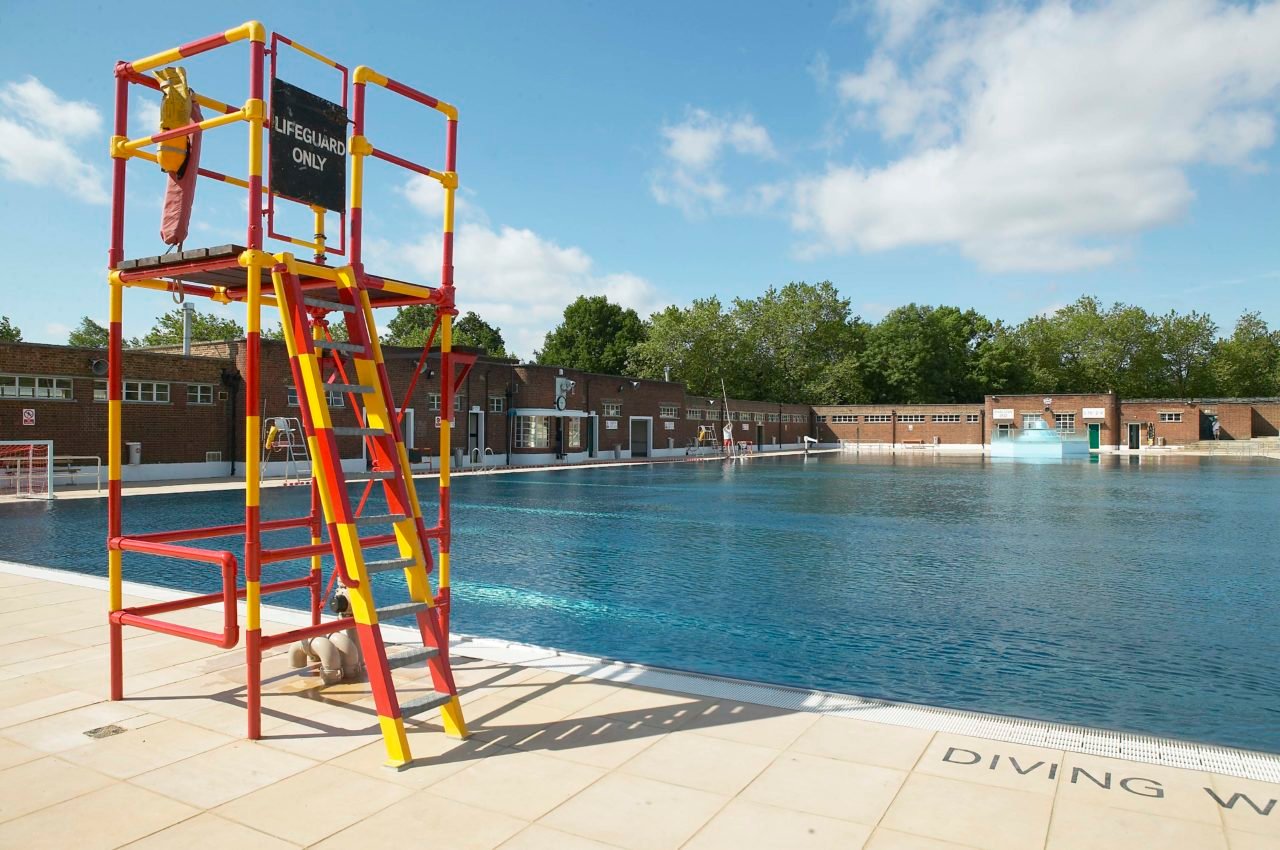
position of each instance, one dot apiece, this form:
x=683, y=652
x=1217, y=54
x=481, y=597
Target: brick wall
x=1154, y=417
x=170, y=432
x=1046, y=406
x=1266, y=419
x=864, y=423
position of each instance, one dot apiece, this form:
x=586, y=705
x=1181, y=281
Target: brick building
x=186, y=413
x=901, y=424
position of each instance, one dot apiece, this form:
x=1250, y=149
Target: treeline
x=802, y=343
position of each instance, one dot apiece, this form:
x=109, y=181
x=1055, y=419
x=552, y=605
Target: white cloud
x=1045, y=138
x=693, y=149
x=37, y=132
x=513, y=277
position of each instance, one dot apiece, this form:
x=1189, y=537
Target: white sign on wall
x=1093, y=413
x=746, y=426
x=670, y=426
x=1002, y=413
x=611, y=424
x=28, y=416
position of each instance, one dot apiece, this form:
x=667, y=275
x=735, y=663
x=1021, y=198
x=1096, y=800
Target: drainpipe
x=232, y=381
x=187, y=310
x=893, y=429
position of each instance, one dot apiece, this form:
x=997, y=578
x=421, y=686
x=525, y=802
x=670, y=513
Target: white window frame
x=843, y=418
x=883, y=418
x=668, y=411
x=972, y=418
x=912, y=418
x=574, y=432
x=497, y=404
x=1031, y=417
x=1170, y=416
x=336, y=399
x=946, y=417
x=1064, y=423
x=38, y=387
x=195, y=393
x=433, y=402
x=533, y=432
x=611, y=407
x=140, y=391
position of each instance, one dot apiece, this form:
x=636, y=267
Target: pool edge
x=1147, y=749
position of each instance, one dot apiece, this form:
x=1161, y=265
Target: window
x=693, y=414
x=35, y=386
x=773, y=417
x=1032, y=420
x=668, y=411
x=457, y=402
x=821, y=417
x=497, y=404
x=1065, y=423
x=877, y=417
x=946, y=417
x=612, y=408
x=971, y=417
x=533, y=432
x=575, y=431
x=433, y=401
x=146, y=392
x=1170, y=417
x=99, y=390
x=336, y=399
x=759, y=417
x=843, y=418
x=199, y=393
x=911, y=417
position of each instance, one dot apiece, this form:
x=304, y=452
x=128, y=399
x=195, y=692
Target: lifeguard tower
x=310, y=155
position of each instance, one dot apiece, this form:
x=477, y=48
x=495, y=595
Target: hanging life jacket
x=175, y=112
x=180, y=156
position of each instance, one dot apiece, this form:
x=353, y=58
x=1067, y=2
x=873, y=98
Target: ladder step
x=387, y=566
x=344, y=431
x=413, y=655
x=328, y=305
x=335, y=345
x=359, y=389
x=372, y=475
x=375, y=519
x=425, y=703
x=400, y=609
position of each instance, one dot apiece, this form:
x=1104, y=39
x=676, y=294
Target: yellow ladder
x=379, y=428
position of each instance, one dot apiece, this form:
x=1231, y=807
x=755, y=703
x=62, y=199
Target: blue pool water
x=1137, y=597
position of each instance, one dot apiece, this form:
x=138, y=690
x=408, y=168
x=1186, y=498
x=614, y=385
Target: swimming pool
x=1142, y=597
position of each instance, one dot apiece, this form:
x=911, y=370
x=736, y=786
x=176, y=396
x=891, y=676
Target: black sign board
x=308, y=147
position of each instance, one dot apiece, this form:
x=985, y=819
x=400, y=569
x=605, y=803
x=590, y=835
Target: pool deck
x=557, y=759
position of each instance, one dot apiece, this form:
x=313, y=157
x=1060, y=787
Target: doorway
x=641, y=436
x=759, y=437
x=592, y=424
x=475, y=434
x=1095, y=435
x=406, y=429
x=1135, y=436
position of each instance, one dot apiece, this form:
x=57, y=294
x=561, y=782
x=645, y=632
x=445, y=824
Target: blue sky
x=1008, y=158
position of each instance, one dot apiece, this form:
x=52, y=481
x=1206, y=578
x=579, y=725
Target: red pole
x=115, y=346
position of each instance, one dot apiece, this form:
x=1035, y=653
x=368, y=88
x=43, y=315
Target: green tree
x=999, y=362
x=1186, y=344
x=1085, y=347
x=699, y=344
x=411, y=325
x=473, y=331
x=919, y=354
x=337, y=330
x=89, y=334
x=799, y=344
x=9, y=332
x=1247, y=363
x=595, y=336
x=205, y=327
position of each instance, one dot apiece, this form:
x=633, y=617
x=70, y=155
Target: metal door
x=1095, y=435
x=1135, y=435
x=639, y=438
